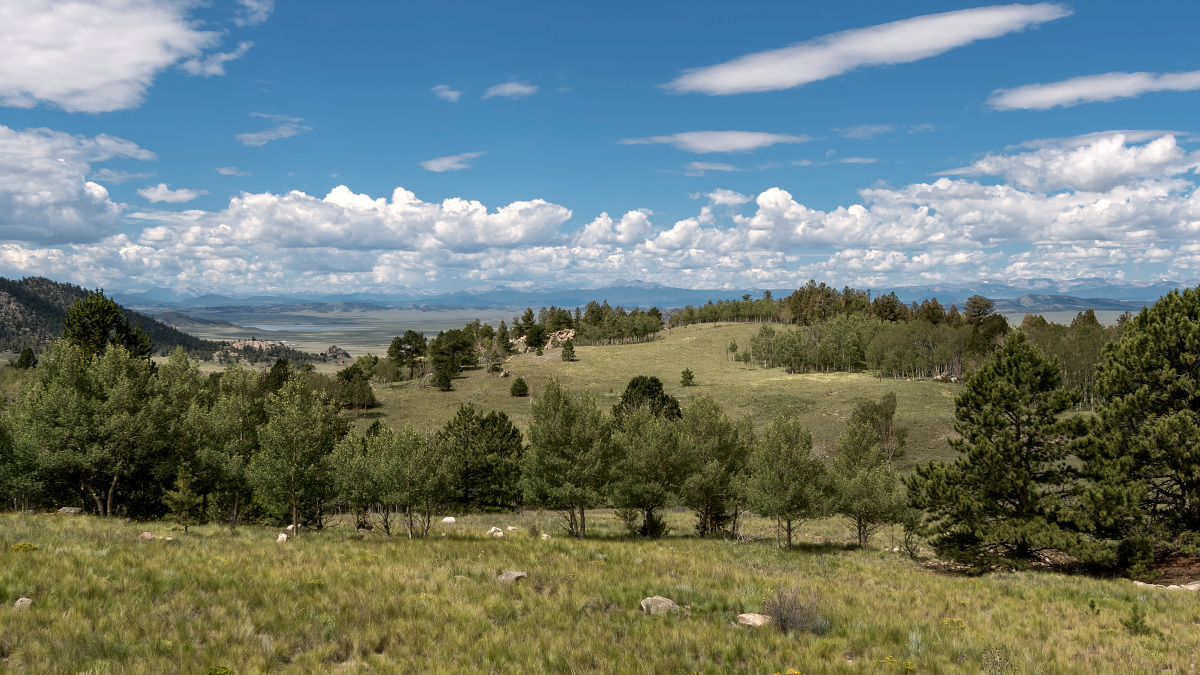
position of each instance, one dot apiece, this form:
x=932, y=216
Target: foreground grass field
x=342, y=601
x=822, y=400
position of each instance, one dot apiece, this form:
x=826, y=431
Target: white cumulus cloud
x=446, y=92
x=890, y=43
x=91, y=55
x=253, y=12
x=1091, y=88
x=44, y=193
x=162, y=193
x=451, y=162
x=703, y=142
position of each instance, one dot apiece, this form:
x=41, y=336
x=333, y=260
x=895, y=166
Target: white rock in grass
x=659, y=605
x=448, y=520
x=281, y=538
x=751, y=619
x=509, y=577
x=146, y=536
x=289, y=528
x=545, y=537
x=70, y=510
x=22, y=603
x=512, y=528
x=496, y=532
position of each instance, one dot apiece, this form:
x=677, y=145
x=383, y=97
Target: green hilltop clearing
x=823, y=401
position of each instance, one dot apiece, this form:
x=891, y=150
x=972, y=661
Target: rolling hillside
x=31, y=312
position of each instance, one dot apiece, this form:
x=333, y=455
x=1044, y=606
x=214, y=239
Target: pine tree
x=687, y=378
x=519, y=387
x=183, y=501
x=568, y=350
x=1002, y=500
x=1143, y=457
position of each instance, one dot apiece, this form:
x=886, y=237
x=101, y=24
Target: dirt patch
x=1178, y=568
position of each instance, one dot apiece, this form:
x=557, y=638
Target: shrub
x=441, y=380
x=519, y=388
x=789, y=613
x=568, y=350
x=687, y=378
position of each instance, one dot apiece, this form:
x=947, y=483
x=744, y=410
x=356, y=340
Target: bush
x=687, y=378
x=789, y=613
x=441, y=380
x=519, y=388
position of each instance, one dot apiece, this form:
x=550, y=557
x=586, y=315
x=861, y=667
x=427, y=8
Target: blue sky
x=246, y=146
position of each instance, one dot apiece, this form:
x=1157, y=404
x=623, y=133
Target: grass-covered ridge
x=823, y=401
x=338, y=600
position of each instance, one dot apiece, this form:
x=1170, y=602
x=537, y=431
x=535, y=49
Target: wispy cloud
x=162, y=193
x=890, y=43
x=723, y=197
x=717, y=141
x=231, y=171
x=285, y=127
x=1091, y=88
x=865, y=131
x=446, y=92
x=117, y=177
x=451, y=162
x=253, y=12
x=511, y=90
x=920, y=128
x=214, y=64
x=700, y=168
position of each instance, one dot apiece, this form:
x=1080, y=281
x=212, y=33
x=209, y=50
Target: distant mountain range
x=1034, y=295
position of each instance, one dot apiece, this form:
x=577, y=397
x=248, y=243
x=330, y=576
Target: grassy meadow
x=822, y=400
x=342, y=601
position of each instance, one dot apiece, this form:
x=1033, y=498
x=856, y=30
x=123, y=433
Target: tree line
x=102, y=427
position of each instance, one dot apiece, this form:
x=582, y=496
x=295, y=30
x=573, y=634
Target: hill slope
x=31, y=312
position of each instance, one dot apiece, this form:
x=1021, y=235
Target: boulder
x=146, y=536
x=70, y=510
x=756, y=620
x=281, y=538
x=22, y=603
x=496, y=532
x=512, y=528
x=659, y=605
x=448, y=520
x=510, y=577
x=545, y=537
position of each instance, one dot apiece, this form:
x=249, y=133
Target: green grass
x=822, y=400
x=341, y=601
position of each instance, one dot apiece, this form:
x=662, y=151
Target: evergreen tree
x=1143, y=457
x=183, y=502
x=484, y=452
x=786, y=483
x=519, y=387
x=570, y=457
x=646, y=392
x=96, y=321
x=866, y=488
x=26, y=360
x=407, y=350
x=1002, y=500
x=687, y=378
x=568, y=350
